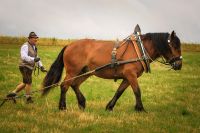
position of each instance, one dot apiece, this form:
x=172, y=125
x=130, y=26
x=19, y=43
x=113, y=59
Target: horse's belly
x=109, y=74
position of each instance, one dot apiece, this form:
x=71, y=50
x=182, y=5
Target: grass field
x=171, y=98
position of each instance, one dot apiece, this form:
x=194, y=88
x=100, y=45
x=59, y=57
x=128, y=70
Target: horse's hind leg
x=118, y=93
x=64, y=87
x=80, y=97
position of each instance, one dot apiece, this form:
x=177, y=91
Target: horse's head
x=168, y=46
x=173, y=56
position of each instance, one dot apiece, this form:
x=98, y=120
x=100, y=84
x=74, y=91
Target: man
x=28, y=60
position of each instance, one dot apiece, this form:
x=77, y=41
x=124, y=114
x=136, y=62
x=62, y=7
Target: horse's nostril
x=177, y=66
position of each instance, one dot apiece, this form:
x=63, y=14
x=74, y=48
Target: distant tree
x=54, y=41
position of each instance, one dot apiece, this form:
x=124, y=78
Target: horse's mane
x=160, y=41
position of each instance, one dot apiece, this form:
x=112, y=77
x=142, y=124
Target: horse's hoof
x=81, y=107
x=108, y=108
x=62, y=108
x=140, y=109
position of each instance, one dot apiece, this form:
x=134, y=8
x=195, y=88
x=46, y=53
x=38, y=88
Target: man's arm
x=24, y=54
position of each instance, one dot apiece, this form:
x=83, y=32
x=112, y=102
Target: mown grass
x=170, y=98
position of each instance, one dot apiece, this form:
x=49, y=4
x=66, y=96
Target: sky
x=100, y=19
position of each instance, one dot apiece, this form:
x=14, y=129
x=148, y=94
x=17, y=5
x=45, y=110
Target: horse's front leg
x=118, y=93
x=62, y=102
x=139, y=105
x=132, y=78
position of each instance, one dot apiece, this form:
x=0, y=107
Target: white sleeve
x=40, y=63
x=24, y=54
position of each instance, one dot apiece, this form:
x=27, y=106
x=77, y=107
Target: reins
x=73, y=78
x=36, y=68
x=115, y=63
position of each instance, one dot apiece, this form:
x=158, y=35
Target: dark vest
x=32, y=53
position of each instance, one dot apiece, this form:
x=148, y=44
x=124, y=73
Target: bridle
x=173, y=60
x=170, y=62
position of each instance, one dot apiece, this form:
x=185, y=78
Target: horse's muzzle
x=176, y=63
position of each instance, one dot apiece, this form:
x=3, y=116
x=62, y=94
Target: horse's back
x=88, y=52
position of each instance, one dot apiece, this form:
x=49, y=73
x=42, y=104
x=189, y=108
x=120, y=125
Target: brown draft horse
x=87, y=54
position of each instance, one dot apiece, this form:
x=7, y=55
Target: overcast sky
x=100, y=19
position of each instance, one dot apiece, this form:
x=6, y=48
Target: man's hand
x=43, y=69
x=36, y=59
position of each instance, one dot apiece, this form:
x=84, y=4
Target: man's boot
x=29, y=100
x=11, y=95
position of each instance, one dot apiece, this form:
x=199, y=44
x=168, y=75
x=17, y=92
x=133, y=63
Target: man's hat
x=32, y=35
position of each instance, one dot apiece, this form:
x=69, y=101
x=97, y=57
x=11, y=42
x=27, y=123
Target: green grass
x=171, y=98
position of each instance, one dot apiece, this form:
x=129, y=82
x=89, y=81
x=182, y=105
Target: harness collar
x=141, y=51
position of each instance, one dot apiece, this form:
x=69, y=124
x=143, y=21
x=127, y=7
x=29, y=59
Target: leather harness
x=138, y=48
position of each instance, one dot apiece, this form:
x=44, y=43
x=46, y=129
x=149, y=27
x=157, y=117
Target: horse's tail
x=54, y=74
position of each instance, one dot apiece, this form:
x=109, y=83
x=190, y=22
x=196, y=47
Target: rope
x=36, y=69
x=84, y=74
x=163, y=62
x=53, y=85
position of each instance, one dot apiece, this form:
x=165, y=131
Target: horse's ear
x=171, y=37
x=173, y=34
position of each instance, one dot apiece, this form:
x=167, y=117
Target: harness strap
x=114, y=53
x=36, y=68
x=114, y=59
x=138, y=52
